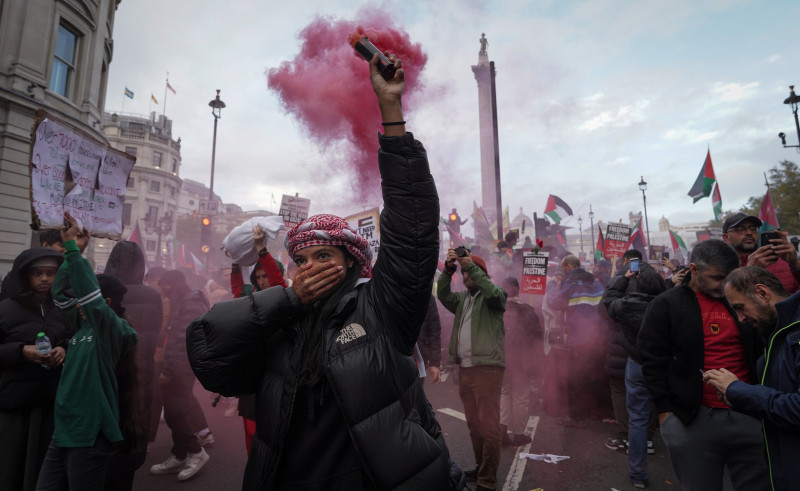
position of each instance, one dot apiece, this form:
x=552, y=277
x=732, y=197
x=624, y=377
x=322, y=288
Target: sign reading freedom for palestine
x=618, y=237
x=534, y=273
x=73, y=172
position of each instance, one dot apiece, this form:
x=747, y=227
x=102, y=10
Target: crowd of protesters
x=327, y=363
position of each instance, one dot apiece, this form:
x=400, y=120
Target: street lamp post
x=216, y=105
x=580, y=229
x=591, y=224
x=793, y=100
x=643, y=188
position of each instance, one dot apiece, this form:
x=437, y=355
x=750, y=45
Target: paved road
x=591, y=466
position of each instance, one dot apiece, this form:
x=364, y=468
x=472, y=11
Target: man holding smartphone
x=778, y=256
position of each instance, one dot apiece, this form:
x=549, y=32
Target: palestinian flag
x=716, y=203
x=638, y=241
x=136, y=236
x=557, y=209
x=601, y=244
x=767, y=215
x=705, y=181
x=678, y=246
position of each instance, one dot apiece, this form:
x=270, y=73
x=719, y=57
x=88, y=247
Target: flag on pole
x=767, y=215
x=557, y=209
x=482, y=233
x=128, y=93
x=601, y=244
x=678, y=246
x=170, y=88
x=705, y=180
x=506, y=223
x=135, y=235
x=153, y=98
x=716, y=202
x=638, y=241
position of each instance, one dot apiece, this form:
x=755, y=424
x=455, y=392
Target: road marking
x=517, y=469
x=453, y=413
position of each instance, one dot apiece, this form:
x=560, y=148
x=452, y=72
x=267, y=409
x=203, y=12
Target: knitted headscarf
x=330, y=230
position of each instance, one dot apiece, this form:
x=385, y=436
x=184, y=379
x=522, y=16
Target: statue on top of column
x=484, y=43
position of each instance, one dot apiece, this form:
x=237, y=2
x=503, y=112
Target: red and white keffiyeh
x=330, y=230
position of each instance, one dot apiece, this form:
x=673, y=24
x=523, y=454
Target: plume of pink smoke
x=327, y=89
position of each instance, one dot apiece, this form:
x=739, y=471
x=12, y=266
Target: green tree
x=784, y=185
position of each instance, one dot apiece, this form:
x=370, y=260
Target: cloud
x=732, y=92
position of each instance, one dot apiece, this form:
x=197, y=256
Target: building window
x=174, y=165
x=130, y=151
x=131, y=182
x=155, y=186
x=172, y=191
x=63, y=61
x=157, y=160
x=127, y=209
x=191, y=202
x=150, y=245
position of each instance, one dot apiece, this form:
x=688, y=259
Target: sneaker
x=194, y=462
x=472, y=476
x=520, y=440
x=206, y=440
x=616, y=444
x=651, y=449
x=639, y=484
x=170, y=466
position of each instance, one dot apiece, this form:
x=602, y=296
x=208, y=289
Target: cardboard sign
x=294, y=210
x=618, y=237
x=72, y=172
x=367, y=225
x=534, y=273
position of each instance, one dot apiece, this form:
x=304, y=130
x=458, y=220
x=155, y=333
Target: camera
x=461, y=251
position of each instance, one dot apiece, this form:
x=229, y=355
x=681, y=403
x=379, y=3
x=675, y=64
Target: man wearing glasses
x=778, y=257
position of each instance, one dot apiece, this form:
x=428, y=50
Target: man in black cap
x=778, y=257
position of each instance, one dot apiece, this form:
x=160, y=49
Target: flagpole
x=164, y=110
x=123, y=99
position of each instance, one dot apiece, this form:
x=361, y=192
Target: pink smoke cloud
x=326, y=87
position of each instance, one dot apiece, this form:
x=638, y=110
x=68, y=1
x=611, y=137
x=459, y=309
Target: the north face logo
x=350, y=332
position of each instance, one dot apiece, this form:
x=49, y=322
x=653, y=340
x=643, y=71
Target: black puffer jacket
x=22, y=316
x=252, y=344
x=430, y=336
x=627, y=309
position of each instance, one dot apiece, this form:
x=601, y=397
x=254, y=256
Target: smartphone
x=634, y=265
x=765, y=237
x=665, y=255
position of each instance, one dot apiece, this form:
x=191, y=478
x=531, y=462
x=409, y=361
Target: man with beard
x=779, y=257
x=758, y=298
x=686, y=331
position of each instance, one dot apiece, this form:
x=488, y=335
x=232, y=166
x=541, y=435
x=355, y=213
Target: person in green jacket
x=87, y=408
x=476, y=346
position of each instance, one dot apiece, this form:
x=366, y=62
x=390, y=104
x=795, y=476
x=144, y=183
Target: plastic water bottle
x=43, y=345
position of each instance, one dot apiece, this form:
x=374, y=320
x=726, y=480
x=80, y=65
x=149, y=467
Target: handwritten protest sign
x=618, y=237
x=534, y=273
x=367, y=224
x=72, y=172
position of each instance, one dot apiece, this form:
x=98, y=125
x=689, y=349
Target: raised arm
x=403, y=274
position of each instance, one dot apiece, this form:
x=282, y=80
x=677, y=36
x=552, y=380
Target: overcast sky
x=591, y=95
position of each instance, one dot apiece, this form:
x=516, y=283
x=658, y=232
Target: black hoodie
x=142, y=304
x=22, y=316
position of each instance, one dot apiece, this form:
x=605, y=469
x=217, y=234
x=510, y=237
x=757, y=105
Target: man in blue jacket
x=758, y=297
x=579, y=295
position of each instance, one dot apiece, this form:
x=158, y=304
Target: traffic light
x=205, y=235
x=454, y=221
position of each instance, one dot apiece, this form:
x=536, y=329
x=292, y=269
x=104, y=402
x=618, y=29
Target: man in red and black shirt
x=685, y=331
x=779, y=257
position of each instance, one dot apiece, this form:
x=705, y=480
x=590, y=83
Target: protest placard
x=367, y=224
x=294, y=210
x=74, y=172
x=618, y=238
x=534, y=273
